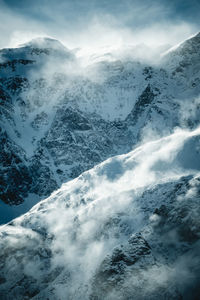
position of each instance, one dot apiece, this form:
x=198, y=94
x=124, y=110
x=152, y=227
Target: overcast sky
x=94, y=23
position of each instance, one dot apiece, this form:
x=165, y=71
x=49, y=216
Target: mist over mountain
x=60, y=117
x=106, y=146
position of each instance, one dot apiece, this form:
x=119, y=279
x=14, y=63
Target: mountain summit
x=44, y=42
x=185, y=53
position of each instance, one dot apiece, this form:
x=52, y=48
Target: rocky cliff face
x=59, y=119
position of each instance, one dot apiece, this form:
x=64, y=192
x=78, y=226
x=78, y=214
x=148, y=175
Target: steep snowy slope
x=59, y=118
x=126, y=229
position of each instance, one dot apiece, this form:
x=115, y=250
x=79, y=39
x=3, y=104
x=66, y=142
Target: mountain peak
x=189, y=47
x=44, y=42
x=197, y=35
x=194, y=39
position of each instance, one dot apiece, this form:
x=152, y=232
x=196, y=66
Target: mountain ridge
x=128, y=220
x=66, y=122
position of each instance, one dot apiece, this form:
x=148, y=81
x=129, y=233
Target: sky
x=94, y=23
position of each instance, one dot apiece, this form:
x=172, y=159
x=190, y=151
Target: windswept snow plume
x=128, y=226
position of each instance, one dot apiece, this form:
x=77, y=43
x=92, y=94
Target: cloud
x=92, y=24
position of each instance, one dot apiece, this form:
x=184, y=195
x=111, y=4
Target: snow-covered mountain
x=113, y=148
x=126, y=229
x=59, y=118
